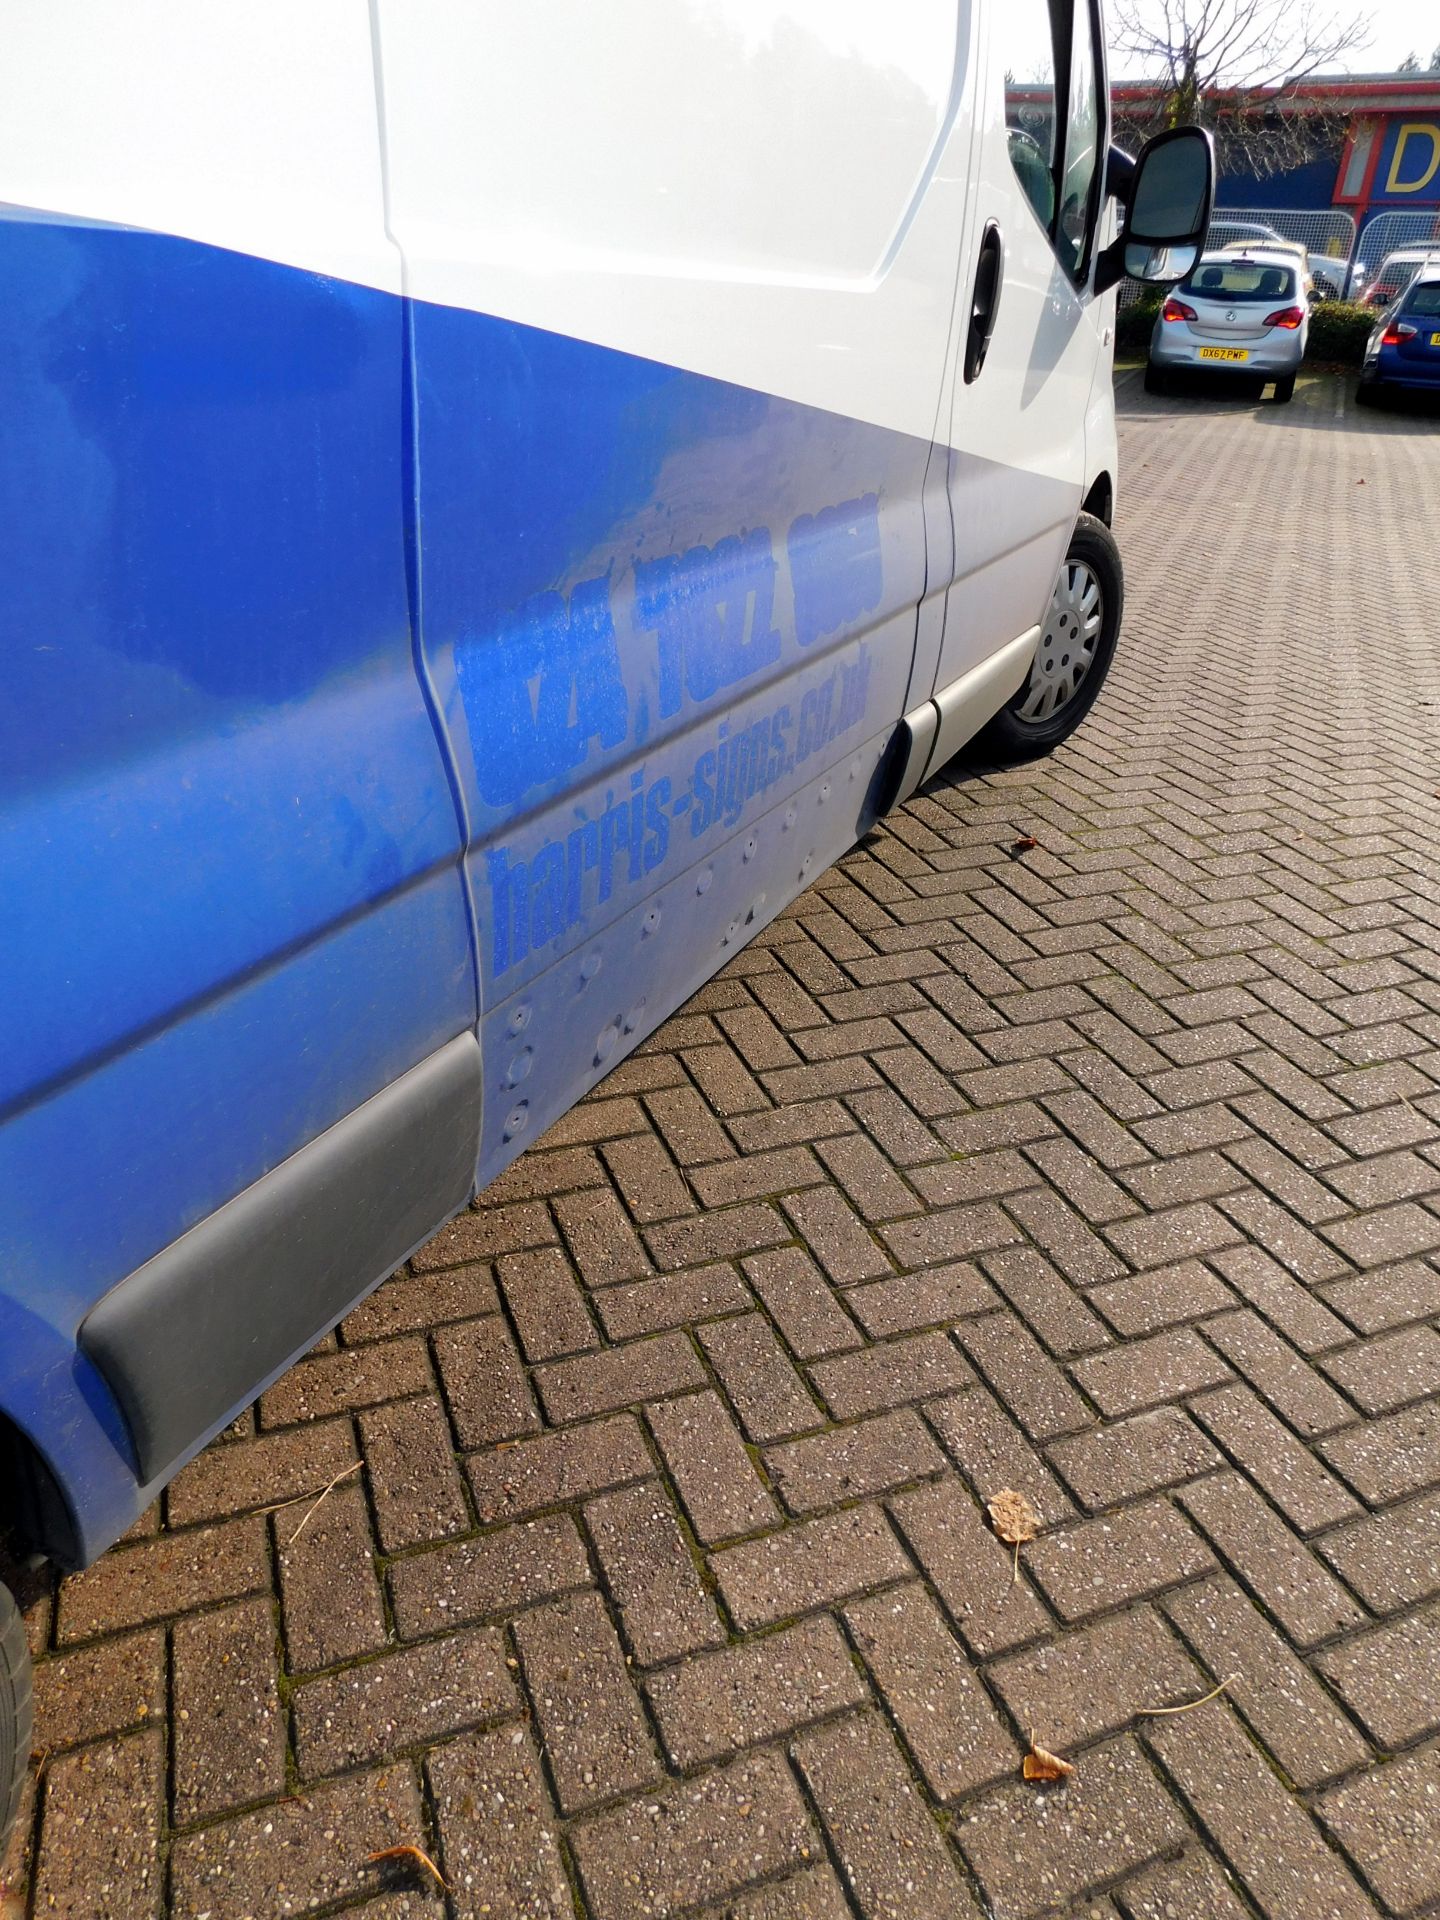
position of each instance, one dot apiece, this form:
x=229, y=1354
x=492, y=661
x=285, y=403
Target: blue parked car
x=1403, y=353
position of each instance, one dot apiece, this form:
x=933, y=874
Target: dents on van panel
x=543, y=895
x=549, y=692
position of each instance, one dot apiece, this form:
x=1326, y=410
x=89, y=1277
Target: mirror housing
x=1167, y=194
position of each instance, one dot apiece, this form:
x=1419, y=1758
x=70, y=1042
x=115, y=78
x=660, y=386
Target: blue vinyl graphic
x=630, y=575
x=534, y=904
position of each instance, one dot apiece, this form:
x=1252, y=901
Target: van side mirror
x=1167, y=210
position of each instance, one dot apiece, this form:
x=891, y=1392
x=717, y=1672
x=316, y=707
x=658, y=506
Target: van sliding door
x=681, y=282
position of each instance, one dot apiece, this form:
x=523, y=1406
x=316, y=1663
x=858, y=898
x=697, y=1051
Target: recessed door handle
x=984, y=300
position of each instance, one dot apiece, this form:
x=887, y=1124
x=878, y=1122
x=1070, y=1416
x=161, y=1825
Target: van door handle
x=984, y=300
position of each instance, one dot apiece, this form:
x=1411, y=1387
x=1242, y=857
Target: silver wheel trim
x=1068, y=643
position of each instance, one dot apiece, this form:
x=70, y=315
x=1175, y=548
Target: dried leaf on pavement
x=1040, y=1765
x=1012, y=1517
x=414, y=1854
x=1015, y=1520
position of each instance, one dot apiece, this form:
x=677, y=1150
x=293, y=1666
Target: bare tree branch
x=1237, y=67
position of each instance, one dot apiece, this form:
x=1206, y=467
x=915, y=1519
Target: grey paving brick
x=664, y=1608
x=499, y=1843
x=931, y=1690
x=723, y=1493
x=1033, y=1851
x=364, y=1713
x=1393, y=1558
x=1104, y=1563
x=1384, y=1459
x=1024, y=1376
x=807, y=1566
x=890, y=1850
x=1390, y=1678
x=763, y=1688
x=1307, y=1494
x=594, y=1731
x=1146, y=1373
x=969, y=1568
x=1388, y=1822
x=800, y=1301
x=498, y=1573
x=695, y=1840
x=1276, y=1692
x=1095, y=1681
x=1262, y=1831
x=1279, y=1569
x=1116, y=1462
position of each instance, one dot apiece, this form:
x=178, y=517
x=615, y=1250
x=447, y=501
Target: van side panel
x=767, y=192
x=557, y=583
x=665, y=608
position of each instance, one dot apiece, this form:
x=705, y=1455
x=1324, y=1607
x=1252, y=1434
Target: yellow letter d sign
x=1409, y=175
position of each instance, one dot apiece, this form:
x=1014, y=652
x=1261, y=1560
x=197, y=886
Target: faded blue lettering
x=835, y=567
x=712, y=610
x=548, y=689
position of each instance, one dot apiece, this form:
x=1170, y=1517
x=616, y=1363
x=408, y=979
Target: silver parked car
x=1245, y=313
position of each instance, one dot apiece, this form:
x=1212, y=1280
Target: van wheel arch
x=33, y=1508
x=1100, y=500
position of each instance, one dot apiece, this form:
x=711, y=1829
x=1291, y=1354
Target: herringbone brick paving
x=653, y=1577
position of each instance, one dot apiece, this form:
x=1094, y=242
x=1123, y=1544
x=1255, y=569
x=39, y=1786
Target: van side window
x=1083, y=123
x=1029, y=53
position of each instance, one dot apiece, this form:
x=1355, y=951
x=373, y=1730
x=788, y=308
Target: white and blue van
x=495, y=498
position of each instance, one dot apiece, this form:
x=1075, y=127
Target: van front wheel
x=1077, y=644
x=14, y=1712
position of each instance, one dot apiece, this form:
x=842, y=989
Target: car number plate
x=1224, y=353
x=1435, y=339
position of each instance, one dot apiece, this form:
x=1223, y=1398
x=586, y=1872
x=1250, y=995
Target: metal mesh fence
x=1386, y=234
x=1327, y=235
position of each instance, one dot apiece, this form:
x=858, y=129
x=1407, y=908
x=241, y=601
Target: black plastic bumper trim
x=189, y=1338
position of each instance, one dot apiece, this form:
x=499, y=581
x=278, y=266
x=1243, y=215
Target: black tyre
x=1365, y=395
x=14, y=1712
x=1285, y=389
x=1156, y=379
x=1077, y=644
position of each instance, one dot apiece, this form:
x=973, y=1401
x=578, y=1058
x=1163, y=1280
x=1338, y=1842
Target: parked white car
x=1329, y=273
x=1396, y=271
